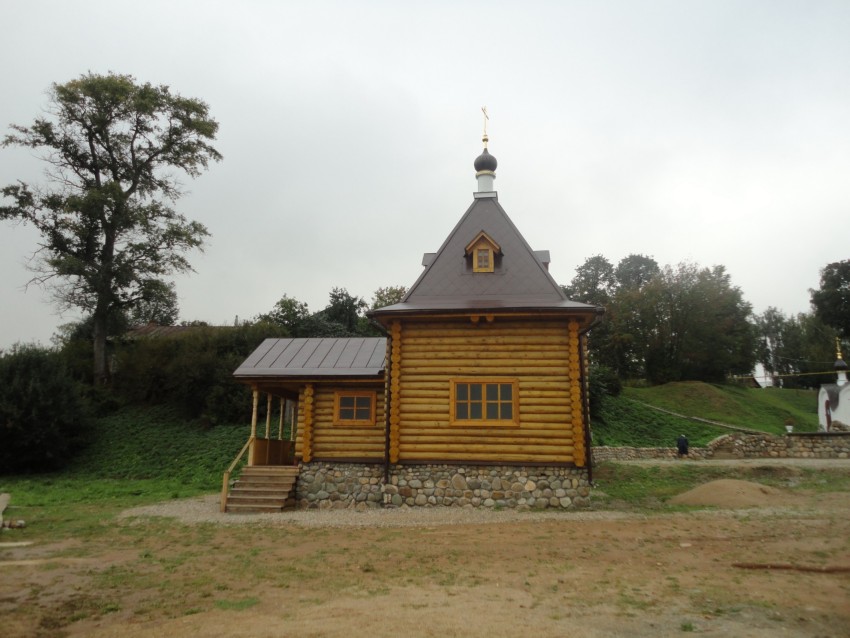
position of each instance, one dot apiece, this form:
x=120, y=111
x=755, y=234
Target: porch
x=266, y=465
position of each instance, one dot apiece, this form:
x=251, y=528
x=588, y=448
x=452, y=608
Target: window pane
x=507, y=392
x=475, y=391
x=346, y=402
x=364, y=402
x=364, y=414
x=507, y=410
x=461, y=411
x=492, y=392
x=483, y=258
x=475, y=409
x=346, y=414
x=462, y=391
x=493, y=411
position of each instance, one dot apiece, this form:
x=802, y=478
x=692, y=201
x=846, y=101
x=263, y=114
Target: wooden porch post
x=307, y=430
x=268, y=426
x=251, y=447
x=256, y=396
x=280, y=425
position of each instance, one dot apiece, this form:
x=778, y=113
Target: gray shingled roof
x=347, y=357
x=521, y=280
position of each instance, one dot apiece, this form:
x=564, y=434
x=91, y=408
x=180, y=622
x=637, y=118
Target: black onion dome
x=840, y=364
x=485, y=162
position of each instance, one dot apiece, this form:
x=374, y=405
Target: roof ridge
x=439, y=251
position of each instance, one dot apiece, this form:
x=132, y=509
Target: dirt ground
x=759, y=562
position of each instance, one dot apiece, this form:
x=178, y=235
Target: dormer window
x=482, y=252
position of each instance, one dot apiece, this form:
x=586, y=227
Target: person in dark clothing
x=682, y=445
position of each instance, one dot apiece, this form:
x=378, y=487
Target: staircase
x=263, y=488
x=725, y=451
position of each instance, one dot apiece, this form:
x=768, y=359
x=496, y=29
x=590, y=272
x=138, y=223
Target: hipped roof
x=521, y=281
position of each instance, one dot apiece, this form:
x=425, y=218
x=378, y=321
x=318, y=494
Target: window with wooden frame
x=482, y=251
x=354, y=407
x=484, y=401
x=483, y=260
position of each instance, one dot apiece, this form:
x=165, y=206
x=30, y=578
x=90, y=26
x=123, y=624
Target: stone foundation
x=327, y=485
x=339, y=485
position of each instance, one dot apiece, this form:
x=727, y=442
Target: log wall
x=542, y=355
x=328, y=441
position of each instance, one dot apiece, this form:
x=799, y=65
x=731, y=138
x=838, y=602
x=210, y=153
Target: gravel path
x=205, y=509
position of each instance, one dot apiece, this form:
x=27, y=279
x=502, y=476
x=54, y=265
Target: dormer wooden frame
x=483, y=251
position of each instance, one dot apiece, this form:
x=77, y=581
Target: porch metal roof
x=341, y=357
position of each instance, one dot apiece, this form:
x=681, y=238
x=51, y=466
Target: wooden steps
x=263, y=488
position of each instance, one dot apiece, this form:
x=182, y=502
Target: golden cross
x=486, y=117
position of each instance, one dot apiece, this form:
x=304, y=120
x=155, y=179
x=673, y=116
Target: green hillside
x=167, y=455
x=143, y=443
x=625, y=420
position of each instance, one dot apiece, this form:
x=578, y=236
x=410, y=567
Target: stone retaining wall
x=328, y=485
x=607, y=453
x=809, y=445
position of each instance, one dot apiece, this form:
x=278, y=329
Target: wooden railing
x=226, y=480
x=262, y=450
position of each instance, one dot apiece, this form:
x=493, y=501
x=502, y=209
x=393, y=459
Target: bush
x=192, y=371
x=42, y=415
x=602, y=382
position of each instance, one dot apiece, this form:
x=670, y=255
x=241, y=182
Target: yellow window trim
x=484, y=422
x=340, y=394
x=480, y=238
x=482, y=258
x=483, y=242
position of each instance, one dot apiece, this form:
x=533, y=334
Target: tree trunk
x=101, y=371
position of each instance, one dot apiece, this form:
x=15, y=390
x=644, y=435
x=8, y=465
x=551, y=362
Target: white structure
x=834, y=398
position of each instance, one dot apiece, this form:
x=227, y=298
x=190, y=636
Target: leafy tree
x=832, y=300
x=792, y=349
x=773, y=336
x=42, y=417
x=342, y=317
x=619, y=341
x=192, y=371
x=346, y=310
x=108, y=233
x=631, y=316
x=593, y=282
x=289, y=313
x=701, y=328
x=157, y=304
x=635, y=271
x=388, y=296
x=665, y=325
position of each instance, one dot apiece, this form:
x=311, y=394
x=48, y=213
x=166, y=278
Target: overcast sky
x=713, y=132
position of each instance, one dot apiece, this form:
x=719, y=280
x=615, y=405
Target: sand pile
x=732, y=493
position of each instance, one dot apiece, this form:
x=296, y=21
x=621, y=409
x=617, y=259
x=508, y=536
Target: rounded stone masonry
x=802, y=445
x=327, y=485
